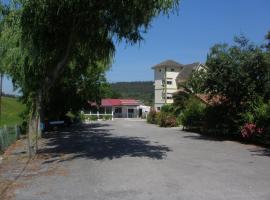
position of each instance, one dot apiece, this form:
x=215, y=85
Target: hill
x=11, y=109
x=141, y=90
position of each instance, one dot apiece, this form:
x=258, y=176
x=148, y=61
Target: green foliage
x=11, y=110
x=55, y=51
x=240, y=76
x=107, y=117
x=180, y=100
x=74, y=90
x=195, y=83
x=93, y=118
x=167, y=108
x=222, y=120
x=141, y=90
x=193, y=114
x=261, y=117
x=239, y=73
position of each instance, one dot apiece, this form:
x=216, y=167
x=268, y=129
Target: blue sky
x=187, y=36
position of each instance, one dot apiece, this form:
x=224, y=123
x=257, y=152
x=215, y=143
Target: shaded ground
x=127, y=159
x=96, y=141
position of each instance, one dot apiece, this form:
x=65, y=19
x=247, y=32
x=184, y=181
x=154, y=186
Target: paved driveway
x=131, y=160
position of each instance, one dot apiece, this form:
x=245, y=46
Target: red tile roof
x=119, y=102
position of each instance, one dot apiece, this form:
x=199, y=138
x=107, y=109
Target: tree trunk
x=33, y=130
x=31, y=135
x=40, y=112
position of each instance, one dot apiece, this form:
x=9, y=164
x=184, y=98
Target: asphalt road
x=132, y=160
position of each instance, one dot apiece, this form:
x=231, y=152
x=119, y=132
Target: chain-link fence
x=8, y=135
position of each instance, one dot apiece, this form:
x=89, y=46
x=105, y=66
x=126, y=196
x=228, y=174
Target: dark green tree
x=239, y=73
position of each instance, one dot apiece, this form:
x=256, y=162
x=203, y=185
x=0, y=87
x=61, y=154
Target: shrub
x=82, y=117
x=262, y=120
x=93, y=118
x=167, y=108
x=107, y=117
x=219, y=119
x=193, y=115
x=180, y=100
x=152, y=116
x=166, y=120
x=250, y=130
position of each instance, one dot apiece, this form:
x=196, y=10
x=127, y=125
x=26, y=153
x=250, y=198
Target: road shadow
x=96, y=141
x=259, y=149
x=203, y=137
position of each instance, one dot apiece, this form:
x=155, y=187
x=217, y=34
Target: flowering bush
x=166, y=120
x=249, y=130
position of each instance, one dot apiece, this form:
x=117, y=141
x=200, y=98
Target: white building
x=167, y=75
x=119, y=108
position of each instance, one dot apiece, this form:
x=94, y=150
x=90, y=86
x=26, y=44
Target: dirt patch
x=16, y=169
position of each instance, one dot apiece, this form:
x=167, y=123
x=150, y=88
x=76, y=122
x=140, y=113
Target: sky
x=186, y=37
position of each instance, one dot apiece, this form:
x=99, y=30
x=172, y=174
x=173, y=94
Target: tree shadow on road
x=96, y=141
x=258, y=149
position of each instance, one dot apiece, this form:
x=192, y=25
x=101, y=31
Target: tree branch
x=61, y=63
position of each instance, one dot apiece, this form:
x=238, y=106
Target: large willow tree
x=43, y=38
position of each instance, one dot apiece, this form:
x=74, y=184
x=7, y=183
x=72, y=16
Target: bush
x=93, y=118
x=107, y=117
x=193, y=115
x=262, y=120
x=167, y=108
x=166, y=120
x=152, y=116
x=250, y=130
x=220, y=119
x=180, y=99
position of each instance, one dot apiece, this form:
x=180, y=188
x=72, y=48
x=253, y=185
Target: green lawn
x=11, y=109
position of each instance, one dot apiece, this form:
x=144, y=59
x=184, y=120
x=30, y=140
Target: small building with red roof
x=123, y=108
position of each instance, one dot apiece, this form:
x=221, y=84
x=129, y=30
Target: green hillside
x=141, y=90
x=11, y=109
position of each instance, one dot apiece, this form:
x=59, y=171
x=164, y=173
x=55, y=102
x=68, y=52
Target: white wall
x=124, y=113
x=159, y=75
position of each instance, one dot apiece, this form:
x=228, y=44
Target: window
x=130, y=110
x=169, y=82
x=172, y=69
x=158, y=108
x=118, y=110
x=159, y=70
x=169, y=96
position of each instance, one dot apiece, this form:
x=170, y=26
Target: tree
x=267, y=37
x=240, y=73
x=42, y=38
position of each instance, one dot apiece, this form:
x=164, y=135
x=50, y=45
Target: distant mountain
x=141, y=90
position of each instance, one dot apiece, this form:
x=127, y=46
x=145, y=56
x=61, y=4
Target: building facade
x=167, y=75
x=118, y=108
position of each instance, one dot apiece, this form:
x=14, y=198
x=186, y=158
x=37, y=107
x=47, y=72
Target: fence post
x=17, y=132
x=5, y=136
x=112, y=114
x=2, y=139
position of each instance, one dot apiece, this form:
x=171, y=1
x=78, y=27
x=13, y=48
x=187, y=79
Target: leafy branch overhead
x=57, y=51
